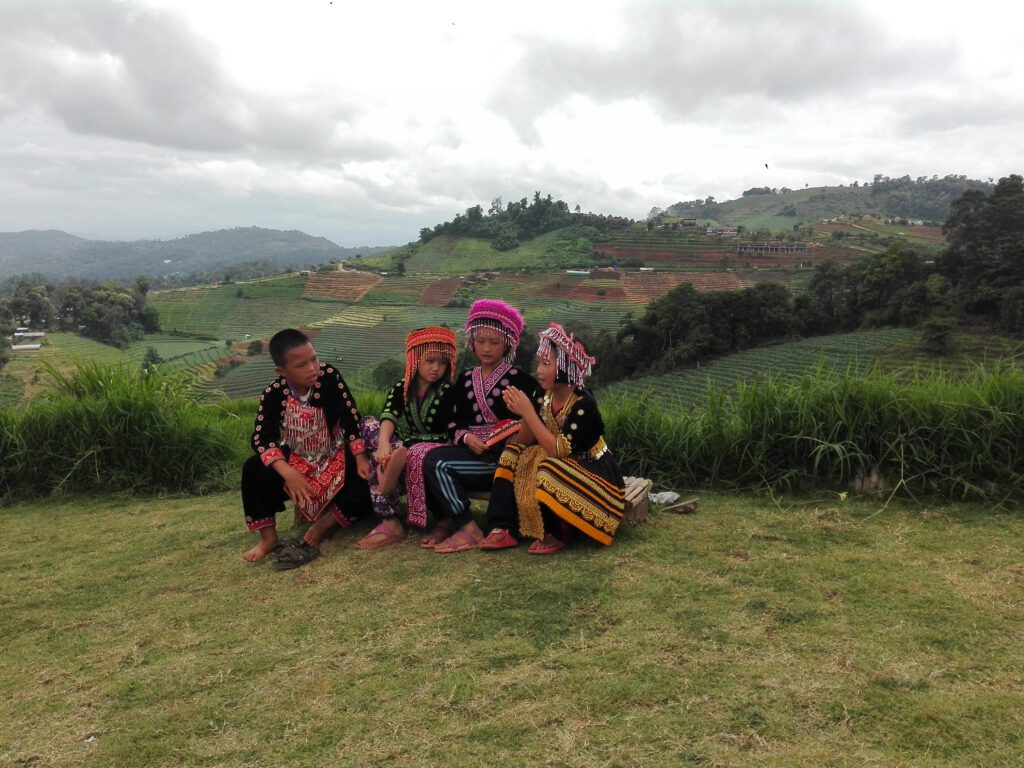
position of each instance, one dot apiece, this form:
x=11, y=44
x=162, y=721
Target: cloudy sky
x=364, y=121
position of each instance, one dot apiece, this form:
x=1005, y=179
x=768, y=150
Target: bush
x=108, y=428
x=932, y=437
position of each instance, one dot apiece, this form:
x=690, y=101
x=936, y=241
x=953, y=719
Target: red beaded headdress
x=571, y=358
x=434, y=339
x=499, y=316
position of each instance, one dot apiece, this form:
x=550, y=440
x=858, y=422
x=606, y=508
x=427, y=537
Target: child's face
x=547, y=370
x=301, y=367
x=432, y=367
x=489, y=345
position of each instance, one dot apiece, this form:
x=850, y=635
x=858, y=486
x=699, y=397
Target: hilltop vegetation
x=923, y=199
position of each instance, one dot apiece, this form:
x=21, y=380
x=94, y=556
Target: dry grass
x=747, y=634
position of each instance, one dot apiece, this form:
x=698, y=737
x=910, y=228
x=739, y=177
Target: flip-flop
x=460, y=541
x=499, y=538
x=294, y=556
x=540, y=548
x=436, y=536
x=283, y=544
x=390, y=537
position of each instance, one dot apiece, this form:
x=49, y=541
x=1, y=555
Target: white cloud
x=364, y=122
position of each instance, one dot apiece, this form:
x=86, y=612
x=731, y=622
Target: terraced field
x=24, y=375
x=242, y=310
x=644, y=287
x=689, y=387
x=342, y=284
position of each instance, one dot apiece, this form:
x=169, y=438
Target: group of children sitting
x=536, y=444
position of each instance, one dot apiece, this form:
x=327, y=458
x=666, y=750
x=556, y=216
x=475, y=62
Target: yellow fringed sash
x=525, y=488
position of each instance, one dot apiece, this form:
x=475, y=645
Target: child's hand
x=297, y=487
x=516, y=400
x=363, y=466
x=475, y=444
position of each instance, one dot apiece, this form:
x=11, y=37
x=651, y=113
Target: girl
x=492, y=331
x=415, y=419
x=558, y=476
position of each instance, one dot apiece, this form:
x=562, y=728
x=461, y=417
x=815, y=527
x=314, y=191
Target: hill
x=58, y=255
x=922, y=199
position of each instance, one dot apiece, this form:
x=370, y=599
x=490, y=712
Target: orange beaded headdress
x=434, y=339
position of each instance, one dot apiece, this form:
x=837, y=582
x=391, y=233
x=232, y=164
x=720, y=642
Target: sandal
x=499, y=538
x=540, y=548
x=293, y=556
x=389, y=537
x=441, y=532
x=460, y=541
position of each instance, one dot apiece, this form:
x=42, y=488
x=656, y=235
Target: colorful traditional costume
x=317, y=434
x=582, y=485
x=477, y=406
x=420, y=423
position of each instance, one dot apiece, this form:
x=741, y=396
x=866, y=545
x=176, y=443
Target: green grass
x=748, y=634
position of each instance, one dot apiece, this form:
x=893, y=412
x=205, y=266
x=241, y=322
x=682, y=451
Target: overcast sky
x=364, y=121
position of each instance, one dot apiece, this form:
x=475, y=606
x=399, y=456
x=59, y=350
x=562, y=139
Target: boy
x=307, y=444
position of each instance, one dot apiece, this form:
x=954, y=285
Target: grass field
x=749, y=634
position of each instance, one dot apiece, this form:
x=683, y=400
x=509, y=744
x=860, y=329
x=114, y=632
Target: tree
x=985, y=257
x=936, y=333
x=386, y=373
x=151, y=359
x=255, y=347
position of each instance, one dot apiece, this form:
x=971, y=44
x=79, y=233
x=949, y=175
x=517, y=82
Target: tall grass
x=115, y=428
x=118, y=428
x=932, y=436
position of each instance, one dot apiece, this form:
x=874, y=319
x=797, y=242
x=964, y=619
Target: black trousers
x=451, y=470
x=263, y=494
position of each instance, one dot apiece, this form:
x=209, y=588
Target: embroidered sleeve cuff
x=460, y=435
x=357, y=446
x=271, y=455
x=563, y=446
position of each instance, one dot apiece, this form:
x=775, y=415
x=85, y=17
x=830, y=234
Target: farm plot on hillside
x=254, y=310
x=688, y=387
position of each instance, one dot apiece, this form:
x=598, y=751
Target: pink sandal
x=540, y=548
x=389, y=538
x=460, y=541
x=499, y=538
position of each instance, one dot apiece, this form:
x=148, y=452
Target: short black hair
x=282, y=341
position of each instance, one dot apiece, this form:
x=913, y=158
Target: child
x=308, y=449
x=492, y=331
x=568, y=480
x=415, y=419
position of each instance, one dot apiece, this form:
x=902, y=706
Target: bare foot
x=441, y=531
x=268, y=540
x=318, y=530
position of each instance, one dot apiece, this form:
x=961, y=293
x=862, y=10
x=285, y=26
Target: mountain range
x=57, y=254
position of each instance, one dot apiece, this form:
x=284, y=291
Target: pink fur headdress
x=499, y=316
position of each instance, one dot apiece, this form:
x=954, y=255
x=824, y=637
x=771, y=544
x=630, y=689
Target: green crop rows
x=685, y=388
